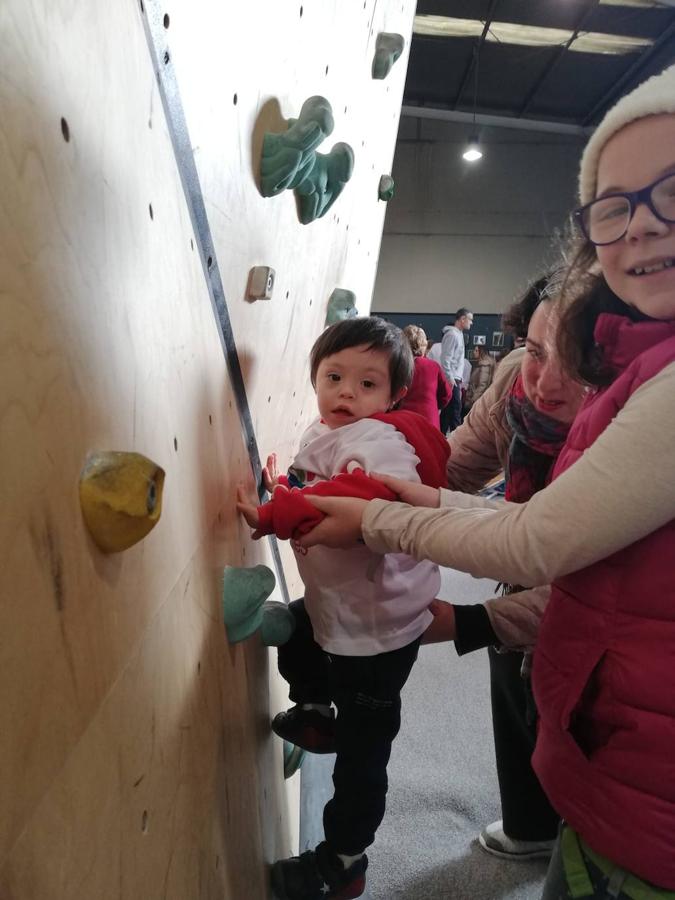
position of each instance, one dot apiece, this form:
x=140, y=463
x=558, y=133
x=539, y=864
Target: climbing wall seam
x=155, y=32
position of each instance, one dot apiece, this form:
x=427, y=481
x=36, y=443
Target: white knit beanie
x=652, y=97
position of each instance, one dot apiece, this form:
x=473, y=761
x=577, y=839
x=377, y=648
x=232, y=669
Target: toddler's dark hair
x=376, y=334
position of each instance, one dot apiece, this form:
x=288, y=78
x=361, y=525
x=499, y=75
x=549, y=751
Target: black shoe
x=306, y=728
x=317, y=875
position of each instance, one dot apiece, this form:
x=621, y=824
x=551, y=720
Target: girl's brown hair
x=585, y=296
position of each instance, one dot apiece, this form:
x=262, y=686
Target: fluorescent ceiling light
x=473, y=152
x=641, y=4
x=529, y=35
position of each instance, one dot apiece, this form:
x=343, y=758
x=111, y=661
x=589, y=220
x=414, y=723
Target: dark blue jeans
x=367, y=693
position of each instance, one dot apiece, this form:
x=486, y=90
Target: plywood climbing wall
x=135, y=749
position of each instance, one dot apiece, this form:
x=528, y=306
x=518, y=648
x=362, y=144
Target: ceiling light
x=472, y=152
x=530, y=35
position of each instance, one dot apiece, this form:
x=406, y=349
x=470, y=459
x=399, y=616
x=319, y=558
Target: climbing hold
x=277, y=625
x=293, y=759
x=121, y=498
x=388, y=48
x=260, y=283
x=287, y=157
x=323, y=184
x=341, y=305
x=244, y=595
x=385, y=190
x=290, y=161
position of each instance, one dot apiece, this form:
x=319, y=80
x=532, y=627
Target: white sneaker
x=493, y=840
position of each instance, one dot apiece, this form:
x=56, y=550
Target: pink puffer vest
x=604, y=668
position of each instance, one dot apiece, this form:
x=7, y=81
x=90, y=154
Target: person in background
x=452, y=363
x=481, y=376
x=429, y=390
x=466, y=380
x=602, y=531
x=434, y=351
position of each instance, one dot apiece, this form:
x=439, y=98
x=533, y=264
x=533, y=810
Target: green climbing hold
x=277, y=625
x=290, y=161
x=293, y=759
x=287, y=157
x=244, y=594
x=388, y=48
x=385, y=190
x=324, y=183
x=341, y=305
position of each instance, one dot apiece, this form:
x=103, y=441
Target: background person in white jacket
x=452, y=363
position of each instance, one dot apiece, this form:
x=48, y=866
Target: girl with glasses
x=603, y=531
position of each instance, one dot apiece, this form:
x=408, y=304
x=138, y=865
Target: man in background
x=452, y=363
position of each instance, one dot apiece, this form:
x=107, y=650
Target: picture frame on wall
x=479, y=339
x=497, y=338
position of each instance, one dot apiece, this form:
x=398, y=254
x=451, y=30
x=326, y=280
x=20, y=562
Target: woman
x=429, y=389
x=603, y=531
x=519, y=425
x=481, y=376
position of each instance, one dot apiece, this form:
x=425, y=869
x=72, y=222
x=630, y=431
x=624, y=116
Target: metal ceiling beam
x=454, y=115
x=631, y=73
x=556, y=59
x=476, y=51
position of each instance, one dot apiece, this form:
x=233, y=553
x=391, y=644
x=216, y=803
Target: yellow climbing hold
x=121, y=498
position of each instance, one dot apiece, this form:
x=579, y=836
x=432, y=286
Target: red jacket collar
x=622, y=340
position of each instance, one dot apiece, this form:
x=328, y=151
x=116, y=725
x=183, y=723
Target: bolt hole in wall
x=301, y=12
x=175, y=444
x=210, y=421
x=234, y=99
x=65, y=130
x=144, y=821
x=167, y=57
x=167, y=20
x=150, y=210
x=209, y=262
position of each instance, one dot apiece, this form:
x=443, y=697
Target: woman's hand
x=270, y=473
x=249, y=511
x=342, y=525
x=411, y=492
x=443, y=626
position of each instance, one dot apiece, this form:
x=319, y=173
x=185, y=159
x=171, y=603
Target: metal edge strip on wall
x=155, y=31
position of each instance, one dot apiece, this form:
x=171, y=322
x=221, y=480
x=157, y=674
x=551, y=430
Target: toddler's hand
x=443, y=626
x=249, y=511
x=411, y=492
x=270, y=474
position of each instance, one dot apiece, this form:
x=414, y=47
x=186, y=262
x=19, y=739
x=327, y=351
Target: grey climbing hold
x=260, y=283
x=244, y=593
x=341, y=305
x=385, y=189
x=388, y=48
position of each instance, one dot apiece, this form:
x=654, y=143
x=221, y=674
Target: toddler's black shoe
x=317, y=875
x=306, y=728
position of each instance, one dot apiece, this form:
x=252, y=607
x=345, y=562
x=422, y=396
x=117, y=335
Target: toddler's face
x=353, y=384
